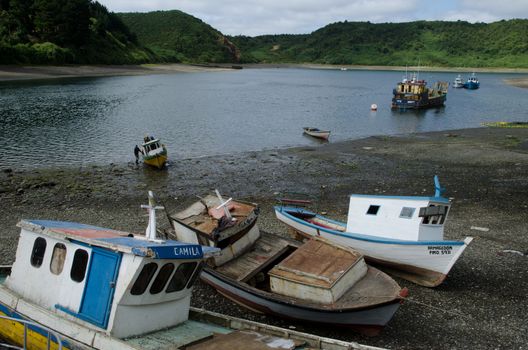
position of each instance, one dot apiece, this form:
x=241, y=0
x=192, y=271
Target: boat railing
x=50, y=334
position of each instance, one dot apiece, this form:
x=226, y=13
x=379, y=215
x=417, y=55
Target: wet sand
x=52, y=72
x=519, y=82
x=481, y=305
x=13, y=72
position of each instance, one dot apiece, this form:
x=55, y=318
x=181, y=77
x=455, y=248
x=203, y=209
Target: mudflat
x=481, y=305
x=12, y=72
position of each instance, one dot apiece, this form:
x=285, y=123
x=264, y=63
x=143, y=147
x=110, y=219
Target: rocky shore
x=481, y=305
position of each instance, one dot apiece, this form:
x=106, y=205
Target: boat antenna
x=418, y=74
x=438, y=189
x=150, y=233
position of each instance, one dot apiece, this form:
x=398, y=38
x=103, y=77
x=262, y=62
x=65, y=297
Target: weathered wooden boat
x=228, y=225
x=78, y=286
x=318, y=281
x=315, y=132
x=472, y=83
x=154, y=153
x=404, y=235
x=458, y=83
x=415, y=94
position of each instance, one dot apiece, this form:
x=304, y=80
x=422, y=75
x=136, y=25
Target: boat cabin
x=398, y=217
x=152, y=145
x=414, y=87
x=102, y=280
x=319, y=271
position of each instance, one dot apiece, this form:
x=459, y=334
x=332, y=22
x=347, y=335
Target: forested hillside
x=460, y=44
x=65, y=31
x=177, y=36
x=84, y=31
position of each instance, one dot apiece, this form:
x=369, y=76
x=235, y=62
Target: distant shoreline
x=15, y=73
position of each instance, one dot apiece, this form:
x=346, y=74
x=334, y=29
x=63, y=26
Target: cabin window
x=195, y=275
x=407, y=212
x=37, y=254
x=57, y=258
x=144, y=278
x=162, y=278
x=433, y=214
x=373, y=210
x=181, y=277
x=78, y=269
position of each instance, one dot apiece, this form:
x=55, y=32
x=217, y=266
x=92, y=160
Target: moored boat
x=472, y=82
x=402, y=234
x=318, y=281
x=459, y=82
x=415, y=94
x=315, y=132
x=154, y=153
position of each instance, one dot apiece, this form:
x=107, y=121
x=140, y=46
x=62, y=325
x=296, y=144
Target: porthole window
x=181, y=276
x=80, y=262
x=57, y=258
x=144, y=278
x=162, y=278
x=195, y=275
x=37, y=254
x=373, y=210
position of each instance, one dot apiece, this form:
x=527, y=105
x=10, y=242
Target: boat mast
x=150, y=233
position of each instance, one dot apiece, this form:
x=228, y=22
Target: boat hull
x=404, y=103
x=421, y=262
x=324, y=135
x=36, y=338
x=157, y=161
x=368, y=321
x=471, y=85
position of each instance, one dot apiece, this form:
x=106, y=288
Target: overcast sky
x=257, y=17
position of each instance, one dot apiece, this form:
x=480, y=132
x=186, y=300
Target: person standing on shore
x=137, y=151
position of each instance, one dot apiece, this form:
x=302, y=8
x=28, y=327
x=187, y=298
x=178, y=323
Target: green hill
x=457, y=44
x=177, y=36
x=65, y=31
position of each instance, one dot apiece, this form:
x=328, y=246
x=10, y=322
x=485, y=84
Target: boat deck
x=173, y=338
x=266, y=248
x=204, y=215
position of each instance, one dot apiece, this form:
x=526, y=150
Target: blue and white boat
x=405, y=235
x=472, y=83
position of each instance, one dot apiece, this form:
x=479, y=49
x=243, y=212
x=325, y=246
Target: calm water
x=99, y=120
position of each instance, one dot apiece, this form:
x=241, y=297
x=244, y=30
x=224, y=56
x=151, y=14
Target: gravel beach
x=483, y=304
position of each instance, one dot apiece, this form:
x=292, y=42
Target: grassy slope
x=177, y=36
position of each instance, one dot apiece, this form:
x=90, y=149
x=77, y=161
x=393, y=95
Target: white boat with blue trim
x=77, y=286
x=404, y=235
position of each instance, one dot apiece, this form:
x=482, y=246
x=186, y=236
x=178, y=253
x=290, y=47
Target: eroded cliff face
x=231, y=48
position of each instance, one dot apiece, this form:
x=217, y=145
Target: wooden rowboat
x=321, y=134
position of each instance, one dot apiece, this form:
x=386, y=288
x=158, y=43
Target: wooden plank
x=246, y=340
x=266, y=247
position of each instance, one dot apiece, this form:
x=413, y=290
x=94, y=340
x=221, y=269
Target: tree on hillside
x=63, y=22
